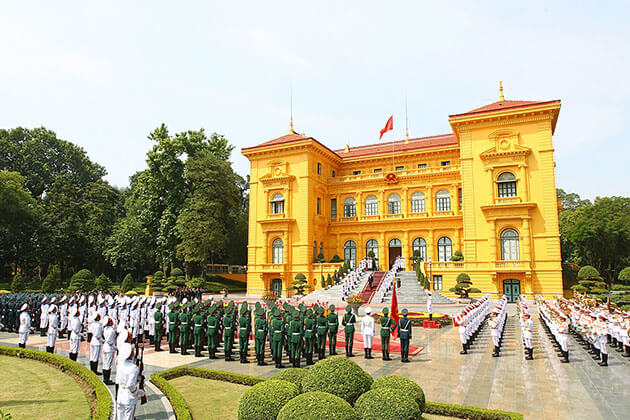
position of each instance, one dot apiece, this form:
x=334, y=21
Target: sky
x=104, y=74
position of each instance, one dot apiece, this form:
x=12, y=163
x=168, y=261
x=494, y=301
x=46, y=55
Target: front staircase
x=410, y=291
x=333, y=294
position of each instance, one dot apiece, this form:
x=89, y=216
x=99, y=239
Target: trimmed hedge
x=293, y=375
x=103, y=398
x=339, y=376
x=264, y=401
x=387, y=404
x=317, y=406
x=181, y=409
x=405, y=385
x=470, y=413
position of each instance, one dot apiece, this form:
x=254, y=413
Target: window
x=319, y=205
x=510, y=245
x=400, y=168
x=349, y=208
x=333, y=174
x=446, y=163
x=442, y=201
x=395, y=243
x=445, y=249
x=277, y=204
x=371, y=206
x=417, y=203
x=378, y=171
x=356, y=172
x=459, y=194
x=437, y=282
x=420, y=245
x=333, y=208
x=314, y=251
x=371, y=245
x=321, y=248
x=393, y=204
x=278, y=248
x=319, y=168
x=350, y=253
x=506, y=185
x=422, y=165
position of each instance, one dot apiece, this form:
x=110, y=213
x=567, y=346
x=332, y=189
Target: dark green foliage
x=103, y=282
x=83, y=280
x=598, y=291
x=158, y=283
x=404, y=385
x=317, y=406
x=198, y=282
x=588, y=273
x=387, y=404
x=52, y=281
x=620, y=287
x=335, y=259
x=300, y=284
x=624, y=276
x=177, y=272
x=371, y=254
x=293, y=375
x=464, y=286
x=264, y=401
x=127, y=283
x=470, y=413
x=338, y=376
x=18, y=284
x=457, y=256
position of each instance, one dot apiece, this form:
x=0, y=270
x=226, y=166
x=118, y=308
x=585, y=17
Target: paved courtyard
x=540, y=389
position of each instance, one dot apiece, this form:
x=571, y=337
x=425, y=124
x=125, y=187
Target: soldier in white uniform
x=25, y=325
x=109, y=347
x=367, y=330
x=430, y=305
x=75, y=334
x=63, y=316
x=96, y=329
x=53, y=324
x=127, y=377
x=528, y=328
x=43, y=320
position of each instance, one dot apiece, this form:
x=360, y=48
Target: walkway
x=368, y=292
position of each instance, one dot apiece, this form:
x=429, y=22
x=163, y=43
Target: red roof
x=441, y=140
x=501, y=105
x=289, y=138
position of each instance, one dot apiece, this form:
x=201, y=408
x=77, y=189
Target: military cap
x=405, y=312
x=348, y=308
x=332, y=308
x=385, y=311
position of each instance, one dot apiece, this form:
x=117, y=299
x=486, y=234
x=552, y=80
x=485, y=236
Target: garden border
x=103, y=409
x=182, y=411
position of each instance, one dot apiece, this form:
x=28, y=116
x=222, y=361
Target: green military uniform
x=212, y=331
x=157, y=328
x=228, y=333
x=277, y=329
x=349, y=319
x=388, y=326
x=173, y=319
x=197, y=320
x=295, y=338
x=287, y=320
x=322, y=329
x=244, y=323
x=333, y=326
x=184, y=321
x=404, y=330
x=309, y=336
x=260, y=335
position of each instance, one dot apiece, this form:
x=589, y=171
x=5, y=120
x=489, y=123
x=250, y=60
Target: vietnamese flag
x=394, y=311
x=388, y=126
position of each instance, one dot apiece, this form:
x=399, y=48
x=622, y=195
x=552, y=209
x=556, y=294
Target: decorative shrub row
x=339, y=376
x=103, y=398
x=181, y=409
x=387, y=404
x=317, y=406
x=217, y=375
x=264, y=401
x=293, y=375
x=470, y=413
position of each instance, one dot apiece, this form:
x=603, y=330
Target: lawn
x=35, y=390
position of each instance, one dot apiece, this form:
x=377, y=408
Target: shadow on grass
x=29, y=402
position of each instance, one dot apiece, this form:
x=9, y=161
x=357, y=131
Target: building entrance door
x=276, y=287
x=512, y=289
x=395, y=251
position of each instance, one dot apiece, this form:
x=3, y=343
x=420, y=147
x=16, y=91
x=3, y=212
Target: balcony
x=273, y=268
x=515, y=265
x=461, y=266
x=401, y=174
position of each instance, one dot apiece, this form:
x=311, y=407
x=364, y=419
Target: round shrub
x=317, y=406
x=387, y=404
x=263, y=401
x=338, y=376
x=293, y=375
x=405, y=385
x=588, y=272
x=177, y=272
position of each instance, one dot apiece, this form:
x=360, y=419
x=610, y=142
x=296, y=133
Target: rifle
x=143, y=399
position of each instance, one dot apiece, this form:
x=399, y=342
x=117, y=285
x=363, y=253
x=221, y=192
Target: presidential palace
x=487, y=189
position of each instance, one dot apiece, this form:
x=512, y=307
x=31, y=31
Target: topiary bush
x=177, y=272
x=263, y=401
x=82, y=280
x=18, y=284
x=338, y=376
x=293, y=375
x=387, y=404
x=405, y=385
x=317, y=406
x=127, y=283
x=103, y=282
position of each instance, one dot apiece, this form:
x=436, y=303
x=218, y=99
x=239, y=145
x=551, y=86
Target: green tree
x=457, y=256
x=103, y=282
x=18, y=284
x=589, y=281
x=463, y=288
x=127, y=283
x=624, y=276
x=82, y=280
x=52, y=281
x=571, y=201
x=299, y=284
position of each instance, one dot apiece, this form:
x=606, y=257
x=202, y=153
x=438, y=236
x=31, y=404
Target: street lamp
x=430, y=272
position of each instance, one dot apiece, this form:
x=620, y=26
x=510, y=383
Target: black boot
x=464, y=349
x=106, y=375
x=51, y=350
x=279, y=364
x=496, y=351
x=244, y=358
x=366, y=353
x=627, y=353
x=604, y=361
x=384, y=357
x=309, y=359
x=157, y=345
x=529, y=354
x=597, y=353
x=387, y=355
x=565, y=358
x=370, y=354
x=22, y=345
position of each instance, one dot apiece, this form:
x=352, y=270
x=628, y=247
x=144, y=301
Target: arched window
x=510, y=245
x=314, y=251
x=277, y=204
x=420, y=245
x=278, y=251
x=349, y=207
x=350, y=253
x=371, y=245
x=442, y=201
x=506, y=185
x=371, y=206
x=393, y=204
x=321, y=248
x=445, y=249
x=395, y=243
x=417, y=203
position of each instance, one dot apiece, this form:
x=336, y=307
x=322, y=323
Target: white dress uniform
x=75, y=335
x=109, y=347
x=96, y=328
x=367, y=330
x=127, y=377
x=53, y=324
x=43, y=321
x=25, y=327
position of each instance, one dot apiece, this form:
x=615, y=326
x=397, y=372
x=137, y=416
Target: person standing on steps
x=528, y=328
x=405, y=331
x=277, y=326
x=96, y=328
x=260, y=335
x=367, y=330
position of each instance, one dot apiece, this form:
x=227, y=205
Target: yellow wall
x=488, y=144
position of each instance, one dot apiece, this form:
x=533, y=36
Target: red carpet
x=394, y=346
x=368, y=292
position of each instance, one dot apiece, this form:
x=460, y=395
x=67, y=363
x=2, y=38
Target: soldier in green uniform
x=260, y=336
x=333, y=326
x=228, y=332
x=348, y=323
x=243, y=333
x=277, y=327
x=404, y=331
x=197, y=321
x=322, y=329
x=287, y=317
x=173, y=319
x=212, y=331
x=184, y=321
x=309, y=336
x=157, y=328
x=388, y=326
x=295, y=337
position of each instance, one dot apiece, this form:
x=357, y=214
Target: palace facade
x=487, y=189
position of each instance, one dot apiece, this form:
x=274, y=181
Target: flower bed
x=418, y=317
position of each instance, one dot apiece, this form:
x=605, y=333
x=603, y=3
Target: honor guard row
x=527, y=327
x=497, y=323
x=470, y=320
x=556, y=324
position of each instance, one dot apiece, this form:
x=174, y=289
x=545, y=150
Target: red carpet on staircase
x=368, y=292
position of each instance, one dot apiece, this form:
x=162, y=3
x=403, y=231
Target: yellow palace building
x=487, y=189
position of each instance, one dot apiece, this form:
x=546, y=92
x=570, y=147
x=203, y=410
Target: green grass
x=35, y=390
x=209, y=399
